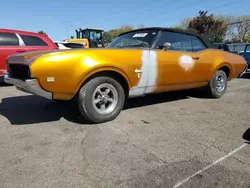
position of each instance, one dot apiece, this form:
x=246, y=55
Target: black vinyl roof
x=204, y=38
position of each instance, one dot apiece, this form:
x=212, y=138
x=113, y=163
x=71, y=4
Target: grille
x=19, y=71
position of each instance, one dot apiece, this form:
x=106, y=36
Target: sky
x=60, y=18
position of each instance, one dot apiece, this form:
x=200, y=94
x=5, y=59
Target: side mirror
x=166, y=46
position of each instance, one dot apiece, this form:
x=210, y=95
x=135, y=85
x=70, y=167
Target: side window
x=8, y=39
x=179, y=42
x=198, y=44
x=248, y=48
x=33, y=40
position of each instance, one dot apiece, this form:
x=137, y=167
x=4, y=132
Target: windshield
x=95, y=35
x=135, y=39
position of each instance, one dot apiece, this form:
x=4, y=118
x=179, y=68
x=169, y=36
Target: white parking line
x=241, y=86
x=209, y=166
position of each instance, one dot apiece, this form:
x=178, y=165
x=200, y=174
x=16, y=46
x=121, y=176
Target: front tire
x=101, y=99
x=217, y=86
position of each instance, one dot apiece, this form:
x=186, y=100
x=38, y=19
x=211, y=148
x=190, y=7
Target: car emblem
x=138, y=72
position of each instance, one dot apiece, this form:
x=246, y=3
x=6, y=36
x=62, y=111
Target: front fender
x=98, y=69
x=69, y=70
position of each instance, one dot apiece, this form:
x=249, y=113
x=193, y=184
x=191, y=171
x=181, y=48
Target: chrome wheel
x=105, y=98
x=217, y=85
x=220, y=83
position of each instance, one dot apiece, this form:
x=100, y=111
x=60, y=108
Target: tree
x=240, y=27
x=215, y=29
x=42, y=32
x=141, y=26
x=125, y=28
x=112, y=34
x=177, y=27
x=247, y=38
x=185, y=23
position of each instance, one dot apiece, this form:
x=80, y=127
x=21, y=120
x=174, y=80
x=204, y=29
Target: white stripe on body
x=180, y=183
x=152, y=72
x=148, y=75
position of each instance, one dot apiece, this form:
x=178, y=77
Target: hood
x=28, y=57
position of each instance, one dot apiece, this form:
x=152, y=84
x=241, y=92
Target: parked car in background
x=136, y=63
x=17, y=41
x=246, y=55
x=237, y=47
x=68, y=45
x=222, y=46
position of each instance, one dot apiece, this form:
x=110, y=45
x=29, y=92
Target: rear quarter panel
x=51, y=44
x=215, y=59
x=236, y=63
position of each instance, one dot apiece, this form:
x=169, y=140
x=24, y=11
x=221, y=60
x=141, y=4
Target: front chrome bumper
x=28, y=85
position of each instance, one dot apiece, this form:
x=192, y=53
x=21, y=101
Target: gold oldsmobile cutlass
x=136, y=63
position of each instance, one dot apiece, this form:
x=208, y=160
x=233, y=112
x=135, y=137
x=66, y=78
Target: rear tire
x=101, y=99
x=217, y=86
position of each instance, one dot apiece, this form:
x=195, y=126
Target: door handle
x=21, y=51
x=196, y=58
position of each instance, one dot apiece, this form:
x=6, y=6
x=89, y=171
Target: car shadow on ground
x=3, y=84
x=162, y=98
x=31, y=109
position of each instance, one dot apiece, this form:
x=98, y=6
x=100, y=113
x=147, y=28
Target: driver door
x=175, y=66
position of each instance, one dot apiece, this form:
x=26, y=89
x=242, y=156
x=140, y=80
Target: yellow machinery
x=90, y=37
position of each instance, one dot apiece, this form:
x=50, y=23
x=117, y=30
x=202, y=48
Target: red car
x=16, y=41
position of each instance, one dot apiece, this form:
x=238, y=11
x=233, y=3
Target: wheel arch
x=226, y=67
x=112, y=72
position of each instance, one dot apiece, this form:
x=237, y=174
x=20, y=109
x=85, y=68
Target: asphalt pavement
x=171, y=140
